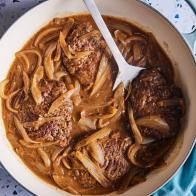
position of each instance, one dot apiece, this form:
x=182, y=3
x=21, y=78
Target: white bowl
x=142, y=16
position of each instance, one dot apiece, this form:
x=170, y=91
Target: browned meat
x=145, y=102
x=84, y=69
x=55, y=130
x=115, y=165
x=150, y=153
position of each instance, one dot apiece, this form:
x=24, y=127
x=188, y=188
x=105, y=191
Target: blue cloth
x=184, y=182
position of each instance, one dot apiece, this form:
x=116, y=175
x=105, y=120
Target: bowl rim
x=175, y=170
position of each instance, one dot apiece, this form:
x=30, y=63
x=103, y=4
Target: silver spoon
x=126, y=71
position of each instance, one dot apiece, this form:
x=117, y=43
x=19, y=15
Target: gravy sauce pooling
x=67, y=125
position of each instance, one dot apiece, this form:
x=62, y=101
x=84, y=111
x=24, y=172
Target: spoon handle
x=90, y=4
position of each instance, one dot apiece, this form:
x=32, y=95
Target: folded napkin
x=184, y=181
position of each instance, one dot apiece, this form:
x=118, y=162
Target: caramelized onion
x=31, y=51
x=124, y=28
x=23, y=132
x=93, y=169
x=135, y=38
x=44, y=156
x=46, y=32
x=120, y=36
x=67, y=27
x=26, y=61
x=40, y=145
x=87, y=123
x=95, y=136
x=3, y=85
x=38, y=75
x=48, y=62
x=90, y=34
x=132, y=156
x=58, y=52
x=50, y=38
x=66, y=96
x=136, y=131
x=26, y=82
x=101, y=74
x=9, y=101
x=137, y=52
x=64, y=46
x=96, y=152
x=112, y=111
x=59, y=75
x=128, y=91
x=154, y=122
x=56, y=153
x=66, y=163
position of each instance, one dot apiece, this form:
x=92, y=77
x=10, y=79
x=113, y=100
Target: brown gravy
x=89, y=112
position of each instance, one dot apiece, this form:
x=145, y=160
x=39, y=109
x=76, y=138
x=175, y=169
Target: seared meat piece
x=115, y=165
x=150, y=153
x=55, y=129
x=84, y=69
x=149, y=89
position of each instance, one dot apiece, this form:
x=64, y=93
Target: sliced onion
x=135, y=38
x=87, y=123
x=136, y=131
x=128, y=91
x=132, y=155
x=96, y=152
x=3, y=85
x=154, y=122
x=120, y=36
x=105, y=122
x=95, y=136
x=101, y=75
x=26, y=82
x=66, y=96
x=45, y=157
x=49, y=38
x=119, y=91
x=93, y=169
x=40, y=145
x=67, y=27
x=23, y=132
x=44, y=33
x=59, y=75
x=64, y=46
x=9, y=101
x=126, y=29
x=56, y=153
x=48, y=62
x=58, y=52
x=112, y=111
x=66, y=163
x=38, y=75
x=137, y=52
x=90, y=34
x=32, y=51
x=26, y=61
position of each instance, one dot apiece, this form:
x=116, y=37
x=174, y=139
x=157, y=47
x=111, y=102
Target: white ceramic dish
x=146, y=18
